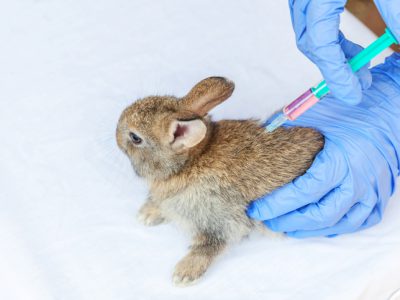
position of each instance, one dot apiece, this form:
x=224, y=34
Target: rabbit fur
x=203, y=174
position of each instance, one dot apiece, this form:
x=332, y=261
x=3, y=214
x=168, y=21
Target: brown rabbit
x=203, y=174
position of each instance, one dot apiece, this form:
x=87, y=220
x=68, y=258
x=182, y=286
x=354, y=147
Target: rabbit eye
x=134, y=138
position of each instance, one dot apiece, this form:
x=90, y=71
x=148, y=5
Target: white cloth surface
x=68, y=196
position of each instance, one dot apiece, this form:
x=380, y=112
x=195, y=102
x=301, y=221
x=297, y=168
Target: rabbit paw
x=150, y=215
x=189, y=270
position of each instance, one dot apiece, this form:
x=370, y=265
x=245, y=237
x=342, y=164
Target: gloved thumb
x=350, y=50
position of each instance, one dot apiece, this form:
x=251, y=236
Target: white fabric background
x=68, y=197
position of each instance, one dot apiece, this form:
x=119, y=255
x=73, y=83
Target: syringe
x=314, y=94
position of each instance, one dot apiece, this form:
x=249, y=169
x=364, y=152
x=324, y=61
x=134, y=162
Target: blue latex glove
x=349, y=183
x=316, y=26
x=390, y=12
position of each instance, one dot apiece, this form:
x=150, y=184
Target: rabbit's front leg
x=150, y=214
x=203, y=251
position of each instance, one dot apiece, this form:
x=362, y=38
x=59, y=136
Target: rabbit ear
x=185, y=134
x=207, y=94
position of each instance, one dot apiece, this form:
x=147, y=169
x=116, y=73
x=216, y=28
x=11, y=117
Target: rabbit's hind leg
x=204, y=249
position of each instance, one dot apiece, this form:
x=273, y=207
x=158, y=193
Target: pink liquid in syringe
x=300, y=105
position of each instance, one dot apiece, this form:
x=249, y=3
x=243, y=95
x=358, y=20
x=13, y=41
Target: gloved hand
x=390, y=12
x=349, y=183
x=316, y=26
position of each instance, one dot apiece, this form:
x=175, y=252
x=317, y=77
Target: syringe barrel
x=313, y=95
x=300, y=105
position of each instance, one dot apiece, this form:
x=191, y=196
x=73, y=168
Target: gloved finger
x=325, y=51
x=365, y=78
x=350, y=50
x=349, y=223
x=325, y=213
x=374, y=218
x=326, y=173
x=298, y=18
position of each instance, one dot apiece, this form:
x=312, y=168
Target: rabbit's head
x=161, y=134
